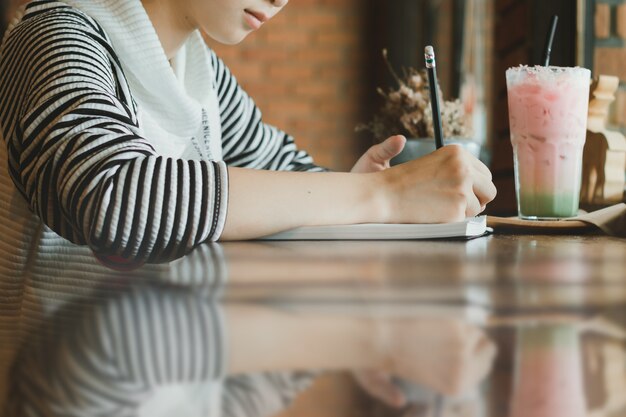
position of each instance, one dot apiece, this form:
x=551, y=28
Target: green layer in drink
x=548, y=336
x=543, y=205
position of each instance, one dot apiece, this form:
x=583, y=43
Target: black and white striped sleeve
x=77, y=155
x=112, y=357
x=108, y=358
x=248, y=142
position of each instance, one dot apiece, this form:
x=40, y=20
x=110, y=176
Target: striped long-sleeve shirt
x=78, y=155
x=143, y=351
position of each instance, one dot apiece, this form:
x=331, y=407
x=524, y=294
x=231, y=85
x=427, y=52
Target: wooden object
x=604, y=158
x=606, y=381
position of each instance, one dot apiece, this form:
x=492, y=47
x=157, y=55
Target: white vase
x=416, y=148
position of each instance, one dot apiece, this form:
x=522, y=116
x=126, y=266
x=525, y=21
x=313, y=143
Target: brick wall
x=305, y=70
x=610, y=51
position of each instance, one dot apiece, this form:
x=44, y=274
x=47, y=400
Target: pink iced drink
x=548, y=120
x=548, y=375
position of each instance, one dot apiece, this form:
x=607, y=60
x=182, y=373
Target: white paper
x=470, y=227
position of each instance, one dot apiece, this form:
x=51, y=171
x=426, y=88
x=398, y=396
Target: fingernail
x=400, y=400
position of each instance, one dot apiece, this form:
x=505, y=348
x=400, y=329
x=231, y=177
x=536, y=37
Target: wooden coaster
x=518, y=225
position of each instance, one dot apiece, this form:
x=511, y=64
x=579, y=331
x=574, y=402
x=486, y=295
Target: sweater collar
x=177, y=97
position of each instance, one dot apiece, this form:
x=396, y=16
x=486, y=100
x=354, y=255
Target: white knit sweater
x=173, y=101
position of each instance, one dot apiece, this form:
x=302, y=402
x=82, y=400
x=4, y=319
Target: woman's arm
x=248, y=142
x=447, y=185
x=110, y=356
x=446, y=354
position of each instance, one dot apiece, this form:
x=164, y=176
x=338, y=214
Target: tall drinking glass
x=548, y=119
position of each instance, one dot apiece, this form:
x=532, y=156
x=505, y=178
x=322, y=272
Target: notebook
x=469, y=228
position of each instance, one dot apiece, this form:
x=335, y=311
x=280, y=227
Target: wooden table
x=501, y=271
x=519, y=290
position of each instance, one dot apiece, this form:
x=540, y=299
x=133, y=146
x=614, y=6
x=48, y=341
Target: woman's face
x=230, y=21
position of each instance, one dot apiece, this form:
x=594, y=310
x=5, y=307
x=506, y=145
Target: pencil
x=431, y=66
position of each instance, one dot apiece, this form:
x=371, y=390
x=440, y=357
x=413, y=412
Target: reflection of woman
x=164, y=351
x=148, y=352
x=52, y=311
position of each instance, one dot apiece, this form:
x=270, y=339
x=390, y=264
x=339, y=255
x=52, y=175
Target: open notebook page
x=470, y=227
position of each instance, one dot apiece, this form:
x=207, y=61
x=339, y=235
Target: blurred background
x=315, y=68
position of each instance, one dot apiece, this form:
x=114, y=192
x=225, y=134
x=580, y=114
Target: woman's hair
x=7, y=8
x=4, y=9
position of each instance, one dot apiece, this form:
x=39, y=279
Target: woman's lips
x=255, y=19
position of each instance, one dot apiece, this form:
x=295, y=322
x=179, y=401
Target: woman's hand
x=450, y=183
x=378, y=156
x=447, y=185
x=380, y=385
x=447, y=355
x=450, y=356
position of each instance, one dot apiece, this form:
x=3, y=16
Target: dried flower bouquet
x=406, y=110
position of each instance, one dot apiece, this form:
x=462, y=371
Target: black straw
x=431, y=65
x=549, y=40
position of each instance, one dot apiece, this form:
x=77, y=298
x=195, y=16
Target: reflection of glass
x=548, y=373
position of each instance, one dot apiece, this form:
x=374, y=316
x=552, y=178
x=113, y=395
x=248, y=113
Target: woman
x=126, y=134
x=126, y=137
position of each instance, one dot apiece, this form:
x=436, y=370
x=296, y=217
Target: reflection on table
x=502, y=326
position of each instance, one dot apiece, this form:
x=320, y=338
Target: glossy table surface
x=503, y=325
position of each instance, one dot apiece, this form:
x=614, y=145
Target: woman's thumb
x=389, y=148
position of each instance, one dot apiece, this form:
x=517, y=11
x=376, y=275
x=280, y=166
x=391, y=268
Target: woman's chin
x=232, y=38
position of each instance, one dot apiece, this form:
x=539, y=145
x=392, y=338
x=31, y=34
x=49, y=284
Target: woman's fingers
x=377, y=157
x=380, y=385
x=480, y=167
x=473, y=205
x=475, y=162
x=444, y=186
x=483, y=189
x=385, y=151
x=466, y=169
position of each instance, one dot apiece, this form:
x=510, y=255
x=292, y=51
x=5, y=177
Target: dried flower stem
x=391, y=70
x=406, y=110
